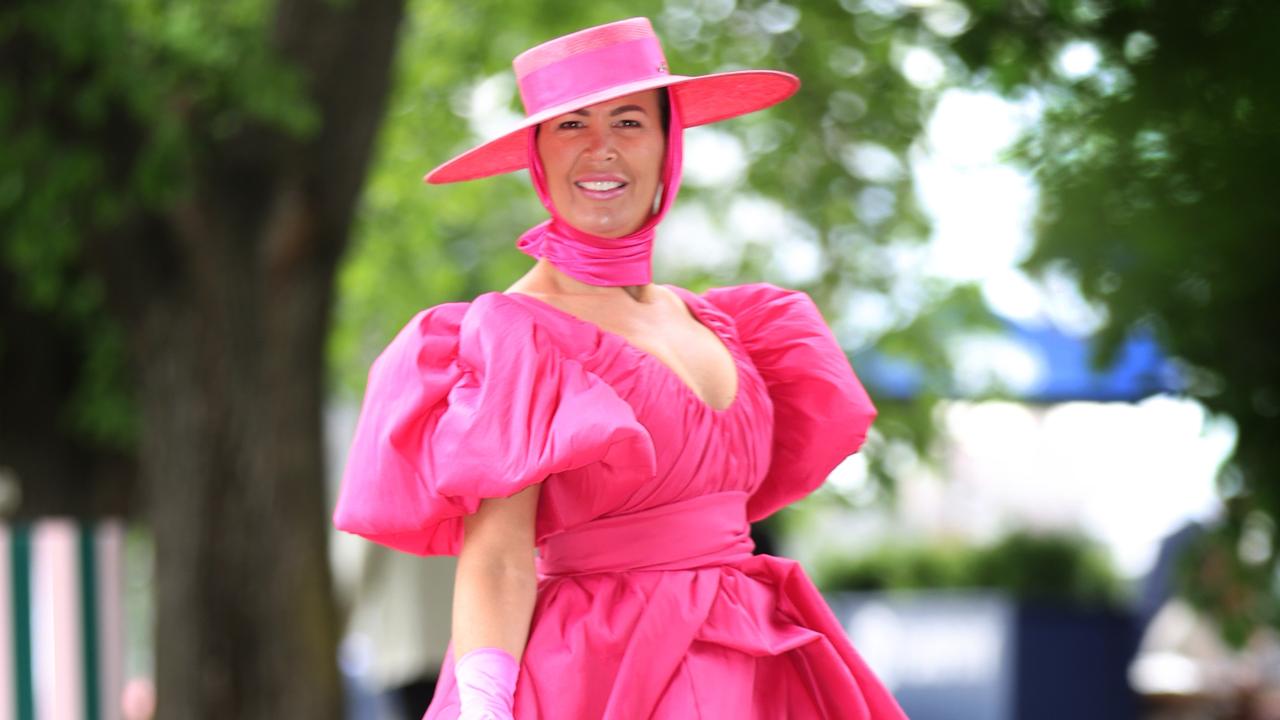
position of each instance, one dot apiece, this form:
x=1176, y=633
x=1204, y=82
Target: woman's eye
x=629, y=123
x=570, y=124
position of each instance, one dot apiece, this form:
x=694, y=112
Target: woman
x=627, y=430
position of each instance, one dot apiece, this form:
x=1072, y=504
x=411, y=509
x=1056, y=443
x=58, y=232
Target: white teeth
x=600, y=186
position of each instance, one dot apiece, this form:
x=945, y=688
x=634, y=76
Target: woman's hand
x=486, y=684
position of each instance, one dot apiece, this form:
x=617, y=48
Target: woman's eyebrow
x=616, y=111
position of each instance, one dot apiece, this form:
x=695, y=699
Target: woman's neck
x=558, y=282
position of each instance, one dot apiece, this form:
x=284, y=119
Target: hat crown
x=586, y=40
x=587, y=63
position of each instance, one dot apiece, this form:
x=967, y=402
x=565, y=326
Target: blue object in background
x=1065, y=369
x=1073, y=663
x=982, y=655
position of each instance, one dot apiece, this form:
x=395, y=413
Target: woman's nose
x=601, y=145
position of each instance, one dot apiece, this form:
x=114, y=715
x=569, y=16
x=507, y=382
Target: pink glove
x=486, y=684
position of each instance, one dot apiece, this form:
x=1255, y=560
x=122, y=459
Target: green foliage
x=900, y=567
x=1157, y=171
x=1226, y=572
x=79, y=78
x=1050, y=567
x=57, y=184
x=213, y=63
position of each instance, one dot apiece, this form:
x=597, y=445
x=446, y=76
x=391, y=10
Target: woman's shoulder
x=498, y=312
x=751, y=294
x=761, y=306
x=491, y=313
x=495, y=325
x=821, y=411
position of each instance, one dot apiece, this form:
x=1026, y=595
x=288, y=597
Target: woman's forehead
x=645, y=100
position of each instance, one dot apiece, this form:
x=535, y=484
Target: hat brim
x=703, y=99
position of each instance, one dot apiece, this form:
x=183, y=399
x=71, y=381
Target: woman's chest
x=671, y=333
x=697, y=449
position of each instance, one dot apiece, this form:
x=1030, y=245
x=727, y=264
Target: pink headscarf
x=599, y=260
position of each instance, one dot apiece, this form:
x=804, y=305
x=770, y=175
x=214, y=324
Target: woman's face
x=603, y=163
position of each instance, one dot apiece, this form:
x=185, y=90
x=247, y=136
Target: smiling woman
x=628, y=430
x=602, y=164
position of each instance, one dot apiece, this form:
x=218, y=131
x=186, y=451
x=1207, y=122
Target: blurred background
x=1039, y=228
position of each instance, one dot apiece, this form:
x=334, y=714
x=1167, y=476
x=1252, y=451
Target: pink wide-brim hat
x=603, y=63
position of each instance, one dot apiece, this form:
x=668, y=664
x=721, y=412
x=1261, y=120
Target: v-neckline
x=694, y=312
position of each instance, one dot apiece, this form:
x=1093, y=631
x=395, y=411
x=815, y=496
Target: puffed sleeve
x=472, y=401
x=821, y=412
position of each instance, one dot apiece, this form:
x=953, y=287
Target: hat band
x=591, y=72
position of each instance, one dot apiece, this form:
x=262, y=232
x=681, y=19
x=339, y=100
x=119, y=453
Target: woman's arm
x=496, y=583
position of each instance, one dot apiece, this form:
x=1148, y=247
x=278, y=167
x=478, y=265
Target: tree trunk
x=232, y=375
x=229, y=300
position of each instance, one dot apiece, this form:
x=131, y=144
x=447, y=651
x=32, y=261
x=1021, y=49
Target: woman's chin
x=606, y=227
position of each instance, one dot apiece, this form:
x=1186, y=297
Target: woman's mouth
x=597, y=189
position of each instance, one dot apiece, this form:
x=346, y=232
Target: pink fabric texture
x=591, y=258
x=591, y=71
x=587, y=40
x=650, y=603
x=486, y=680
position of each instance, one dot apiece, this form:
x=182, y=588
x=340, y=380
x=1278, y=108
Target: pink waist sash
x=702, y=531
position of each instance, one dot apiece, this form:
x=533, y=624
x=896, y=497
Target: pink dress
x=650, y=603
